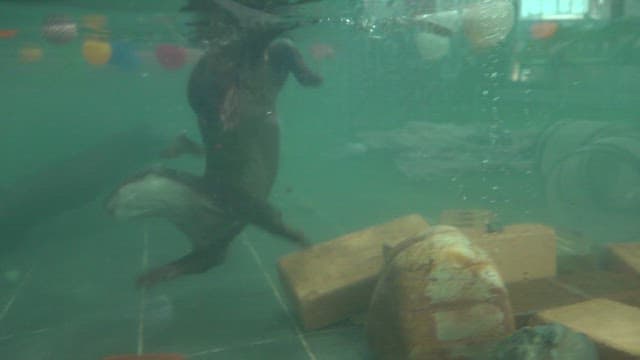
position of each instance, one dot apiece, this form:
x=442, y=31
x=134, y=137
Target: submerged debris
x=547, y=342
x=427, y=150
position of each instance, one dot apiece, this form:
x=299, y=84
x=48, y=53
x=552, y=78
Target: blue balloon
x=123, y=55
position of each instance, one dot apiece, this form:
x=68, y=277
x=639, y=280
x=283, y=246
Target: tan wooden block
x=531, y=297
x=625, y=257
x=335, y=279
x=601, y=284
x=477, y=219
x=631, y=298
x=613, y=326
x=521, y=252
x=577, y=253
x=572, y=264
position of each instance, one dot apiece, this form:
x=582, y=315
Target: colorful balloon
x=59, y=29
x=30, y=54
x=96, y=51
x=95, y=22
x=170, y=56
x=124, y=56
x=544, y=30
x=8, y=33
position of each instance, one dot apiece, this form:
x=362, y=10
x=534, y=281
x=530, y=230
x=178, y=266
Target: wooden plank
x=613, y=326
x=531, y=297
x=625, y=257
x=521, y=252
x=335, y=279
x=467, y=219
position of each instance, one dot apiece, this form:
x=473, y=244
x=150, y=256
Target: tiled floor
x=74, y=299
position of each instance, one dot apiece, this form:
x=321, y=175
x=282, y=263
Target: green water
x=66, y=290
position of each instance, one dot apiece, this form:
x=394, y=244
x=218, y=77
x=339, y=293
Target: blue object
x=123, y=56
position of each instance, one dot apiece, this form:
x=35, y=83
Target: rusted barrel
x=438, y=297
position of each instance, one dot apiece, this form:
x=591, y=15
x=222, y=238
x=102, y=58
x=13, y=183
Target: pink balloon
x=171, y=57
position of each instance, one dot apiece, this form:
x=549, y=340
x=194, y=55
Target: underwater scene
x=319, y=179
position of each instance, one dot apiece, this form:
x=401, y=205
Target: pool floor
x=68, y=294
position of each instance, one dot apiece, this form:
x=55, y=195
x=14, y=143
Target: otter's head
x=226, y=24
x=155, y=194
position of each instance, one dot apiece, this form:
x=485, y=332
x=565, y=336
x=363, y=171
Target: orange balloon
x=96, y=52
x=8, y=33
x=95, y=22
x=30, y=54
x=544, y=30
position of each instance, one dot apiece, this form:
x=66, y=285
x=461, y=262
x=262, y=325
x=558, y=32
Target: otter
x=233, y=90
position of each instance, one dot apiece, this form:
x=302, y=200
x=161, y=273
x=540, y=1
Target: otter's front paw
x=157, y=275
x=298, y=237
x=309, y=79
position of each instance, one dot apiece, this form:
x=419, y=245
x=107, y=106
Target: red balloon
x=171, y=56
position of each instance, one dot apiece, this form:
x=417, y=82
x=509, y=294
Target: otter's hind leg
x=197, y=261
x=267, y=217
x=260, y=213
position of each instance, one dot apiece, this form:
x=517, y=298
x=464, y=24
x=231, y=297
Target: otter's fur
x=233, y=91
